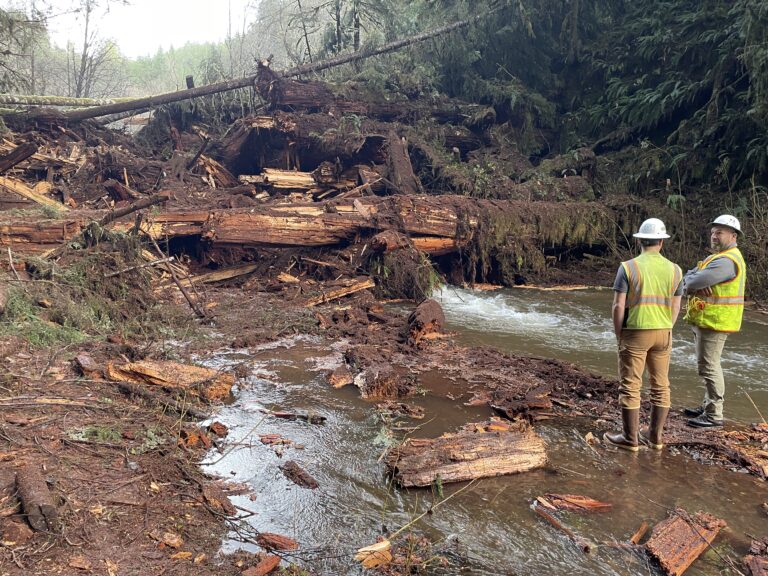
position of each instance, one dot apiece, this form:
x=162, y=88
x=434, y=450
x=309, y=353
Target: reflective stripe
x=652, y=281
x=723, y=310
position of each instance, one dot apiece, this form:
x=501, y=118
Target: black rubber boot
x=626, y=439
x=693, y=412
x=652, y=436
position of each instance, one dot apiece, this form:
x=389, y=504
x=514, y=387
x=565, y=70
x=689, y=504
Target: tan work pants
x=638, y=350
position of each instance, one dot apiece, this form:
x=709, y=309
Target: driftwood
x=585, y=545
x=573, y=503
x=18, y=154
x=271, y=541
x=427, y=318
x=36, y=499
x=757, y=559
x=677, y=541
x=493, y=448
x=266, y=565
x=198, y=381
x=298, y=476
x=309, y=418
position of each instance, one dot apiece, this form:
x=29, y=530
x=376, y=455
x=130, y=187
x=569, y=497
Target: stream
x=489, y=527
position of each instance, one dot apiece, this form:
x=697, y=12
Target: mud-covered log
x=18, y=154
x=36, y=499
x=427, y=318
x=677, y=541
x=388, y=241
x=493, y=448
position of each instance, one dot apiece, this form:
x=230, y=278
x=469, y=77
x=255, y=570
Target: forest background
x=671, y=94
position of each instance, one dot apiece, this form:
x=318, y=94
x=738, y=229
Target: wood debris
x=493, y=448
x=677, y=541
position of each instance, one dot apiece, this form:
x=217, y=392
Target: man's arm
x=619, y=305
x=675, y=308
x=719, y=270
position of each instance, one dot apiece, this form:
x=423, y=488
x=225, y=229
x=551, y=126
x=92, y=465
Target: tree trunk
x=152, y=101
x=18, y=154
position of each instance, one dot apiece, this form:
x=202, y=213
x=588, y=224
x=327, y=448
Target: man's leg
x=709, y=348
x=632, y=353
x=658, y=376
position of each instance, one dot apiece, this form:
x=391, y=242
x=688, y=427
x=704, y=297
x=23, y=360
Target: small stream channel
x=490, y=525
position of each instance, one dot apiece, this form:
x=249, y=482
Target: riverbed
x=489, y=528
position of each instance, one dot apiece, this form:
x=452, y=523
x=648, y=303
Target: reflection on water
x=491, y=524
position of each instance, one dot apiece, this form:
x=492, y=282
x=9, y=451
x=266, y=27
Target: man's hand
x=704, y=291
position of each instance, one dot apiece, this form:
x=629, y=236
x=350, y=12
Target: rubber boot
x=627, y=439
x=652, y=436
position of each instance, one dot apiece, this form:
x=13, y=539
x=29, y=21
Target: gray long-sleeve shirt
x=717, y=271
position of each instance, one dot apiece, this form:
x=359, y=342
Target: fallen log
x=492, y=448
x=36, y=499
x=271, y=541
x=309, y=418
x=677, y=541
x=209, y=384
x=154, y=101
x=266, y=565
x=183, y=409
x=36, y=237
x=18, y=154
x=335, y=294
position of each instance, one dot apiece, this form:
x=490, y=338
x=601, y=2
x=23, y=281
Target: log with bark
x=493, y=448
x=36, y=498
x=677, y=541
x=400, y=167
x=298, y=475
x=17, y=155
x=36, y=237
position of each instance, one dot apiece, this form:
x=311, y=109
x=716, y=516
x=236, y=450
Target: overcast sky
x=146, y=25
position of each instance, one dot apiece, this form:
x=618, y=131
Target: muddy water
x=489, y=526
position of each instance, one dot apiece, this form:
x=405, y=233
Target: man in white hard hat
x=646, y=303
x=715, y=290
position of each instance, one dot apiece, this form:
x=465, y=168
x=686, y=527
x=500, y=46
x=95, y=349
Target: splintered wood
x=493, y=448
x=574, y=503
x=677, y=541
x=204, y=382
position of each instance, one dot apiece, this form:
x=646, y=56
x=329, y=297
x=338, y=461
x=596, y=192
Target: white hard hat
x=727, y=220
x=652, y=229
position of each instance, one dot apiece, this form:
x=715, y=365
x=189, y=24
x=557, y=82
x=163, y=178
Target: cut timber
x=677, y=541
x=38, y=237
x=493, y=448
x=298, y=476
x=36, y=194
x=18, y=154
x=427, y=318
x=435, y=246
x=335, y=294
x=204, y=382
x=36, y=499
x=576, y=503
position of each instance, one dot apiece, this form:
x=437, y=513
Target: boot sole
x=650, y=444
x=627, y=447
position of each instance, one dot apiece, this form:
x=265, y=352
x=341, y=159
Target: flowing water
x=490, y=524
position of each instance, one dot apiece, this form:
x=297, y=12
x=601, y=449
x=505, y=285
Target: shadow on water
x=490, y=526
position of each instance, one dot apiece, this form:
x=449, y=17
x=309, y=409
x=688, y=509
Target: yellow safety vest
x=724, y=309
x=653, y=281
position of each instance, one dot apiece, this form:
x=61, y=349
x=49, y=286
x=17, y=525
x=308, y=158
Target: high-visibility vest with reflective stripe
x=724, y=309
x=653, y=281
